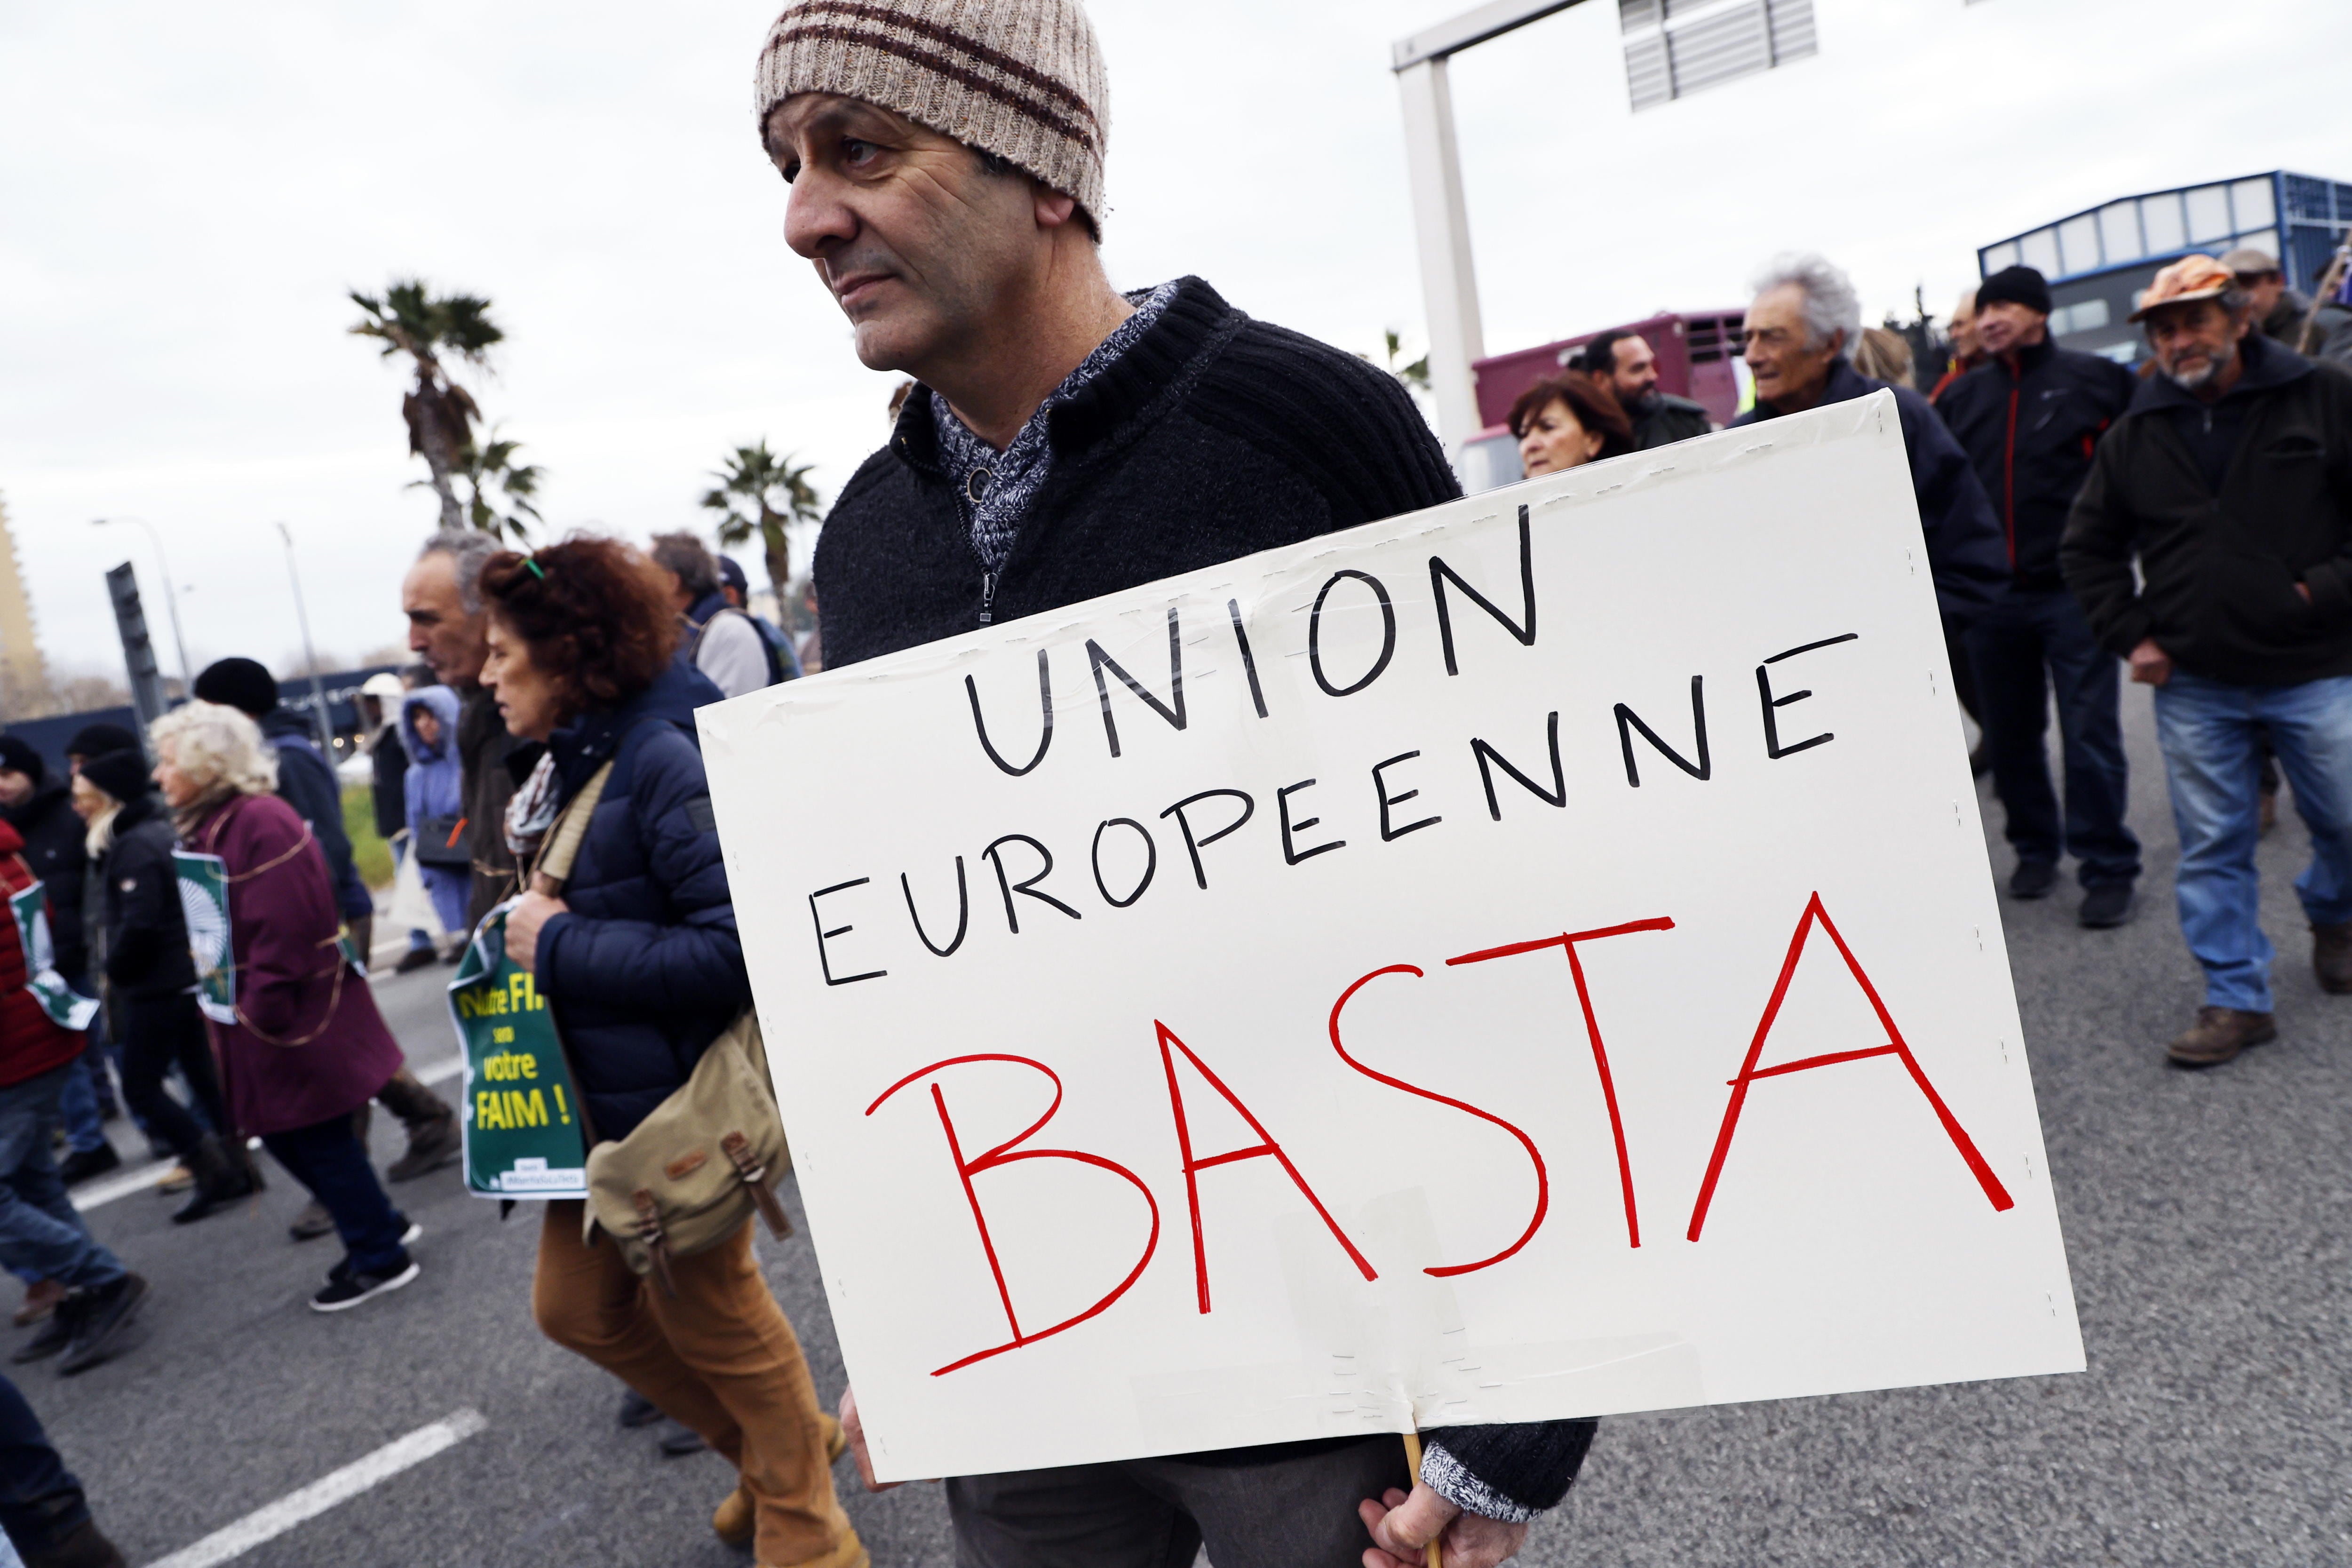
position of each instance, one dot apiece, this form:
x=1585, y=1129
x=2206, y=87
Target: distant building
x=2098, y=261
x=22, y=672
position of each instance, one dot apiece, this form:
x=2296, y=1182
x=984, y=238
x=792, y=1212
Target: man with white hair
x=1804, y=319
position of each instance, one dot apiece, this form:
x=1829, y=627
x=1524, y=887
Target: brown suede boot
x=2331, y=956
x=736, y=1517
x=434, y=1139
x=2219, y=1034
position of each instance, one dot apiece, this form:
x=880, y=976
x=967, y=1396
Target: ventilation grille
x=1674, y=47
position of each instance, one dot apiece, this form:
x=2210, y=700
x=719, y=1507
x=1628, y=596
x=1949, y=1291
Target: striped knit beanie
x=1021, y=78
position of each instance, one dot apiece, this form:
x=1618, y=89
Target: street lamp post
x=310, y=654
x=171, y=597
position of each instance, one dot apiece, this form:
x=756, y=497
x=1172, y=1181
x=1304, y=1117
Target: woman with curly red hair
x=640, y=960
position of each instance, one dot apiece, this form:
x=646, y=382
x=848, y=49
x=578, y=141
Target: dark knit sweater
x=1213, y=436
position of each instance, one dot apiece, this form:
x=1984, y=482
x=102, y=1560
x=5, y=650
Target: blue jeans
x=2213, y=759
x=2032, y=642
x=40, y=1501
x=77, y=1106
x=41, y=1236
x=329, y=1158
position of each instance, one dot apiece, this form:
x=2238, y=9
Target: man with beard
x=2229, y=480
x=1627, y=365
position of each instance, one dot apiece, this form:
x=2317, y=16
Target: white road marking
x=95, y=1195
x=91, y=1194
x=268, y=1523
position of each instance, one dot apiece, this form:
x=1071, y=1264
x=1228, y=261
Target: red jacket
x=31, y=1042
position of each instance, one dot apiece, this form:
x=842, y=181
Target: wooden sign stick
x=1412, y=1463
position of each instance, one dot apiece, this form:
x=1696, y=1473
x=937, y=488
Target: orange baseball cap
x=2190, y=278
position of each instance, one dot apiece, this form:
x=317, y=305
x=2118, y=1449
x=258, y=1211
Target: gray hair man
x=2229, y=480
x=720, y=641
x=448, y=629
x=1064, y=441
x=1800, y=327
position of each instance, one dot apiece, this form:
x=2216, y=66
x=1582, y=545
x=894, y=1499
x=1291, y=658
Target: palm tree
x=751, y=485
x=483, y=465
x=440, y=414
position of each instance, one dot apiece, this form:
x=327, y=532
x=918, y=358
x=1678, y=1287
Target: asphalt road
x=2204, y=1218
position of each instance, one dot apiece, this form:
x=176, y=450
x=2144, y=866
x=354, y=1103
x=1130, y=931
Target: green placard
x=60, y=1001
x=203, y=901
x=521, y=1117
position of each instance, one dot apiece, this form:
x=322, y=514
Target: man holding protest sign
x=1065, y=441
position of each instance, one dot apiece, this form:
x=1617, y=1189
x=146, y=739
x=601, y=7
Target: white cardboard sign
x=1531, y=958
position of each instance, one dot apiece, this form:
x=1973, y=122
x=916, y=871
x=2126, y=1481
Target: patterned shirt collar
x=996, y=490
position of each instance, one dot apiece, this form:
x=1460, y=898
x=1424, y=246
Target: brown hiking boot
x=2218, y=1034
x=2331, y=956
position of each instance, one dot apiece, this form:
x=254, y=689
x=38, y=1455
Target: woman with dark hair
x=1565, y=421
x=639, y=959
x=151, y=979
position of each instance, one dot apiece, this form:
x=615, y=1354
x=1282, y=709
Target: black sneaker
x=83, y=1163
x=347, y=1287
x=57, y=1332
x=414, y=959
x=678, y=1441
x=102, y=1324
x=2108, y=905
x=636, y=1410
x=2033, y=879
x=83, y=1546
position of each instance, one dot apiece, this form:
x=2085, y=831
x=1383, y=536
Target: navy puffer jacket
x=645, y=969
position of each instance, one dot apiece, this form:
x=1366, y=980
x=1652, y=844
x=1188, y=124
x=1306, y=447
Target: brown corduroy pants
x=722, y=1359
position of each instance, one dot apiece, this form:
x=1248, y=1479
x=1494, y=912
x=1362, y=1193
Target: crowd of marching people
x=2190, y=525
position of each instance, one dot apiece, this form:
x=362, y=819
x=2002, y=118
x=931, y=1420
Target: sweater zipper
x=987, y=597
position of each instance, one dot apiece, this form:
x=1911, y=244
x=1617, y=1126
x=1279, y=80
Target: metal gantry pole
x=310, y=654
x=171, y=597
x=1441, y=217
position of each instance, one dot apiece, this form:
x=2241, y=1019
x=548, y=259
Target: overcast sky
x=187, y=192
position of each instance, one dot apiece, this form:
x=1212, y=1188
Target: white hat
x=383, y=684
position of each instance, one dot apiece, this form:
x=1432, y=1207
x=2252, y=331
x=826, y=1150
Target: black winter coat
x=146, y=934
x=54, y=847
x=1964, y=551
x=2220, y=563
x=390, y=759
x=1212, y=438
x=306, y=781
x=645, y=970
x=2032, y=429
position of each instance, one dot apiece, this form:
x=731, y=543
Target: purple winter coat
x=308, y=1042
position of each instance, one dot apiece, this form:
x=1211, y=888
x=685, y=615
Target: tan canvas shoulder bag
x=692, y=1172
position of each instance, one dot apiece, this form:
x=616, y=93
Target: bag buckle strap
x=649, y=1231
x=738, y=1148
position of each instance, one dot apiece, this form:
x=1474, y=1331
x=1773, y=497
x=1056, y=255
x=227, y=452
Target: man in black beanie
x=2029, y=417
x=307, y=782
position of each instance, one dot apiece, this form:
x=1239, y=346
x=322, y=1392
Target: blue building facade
x=2098, y=260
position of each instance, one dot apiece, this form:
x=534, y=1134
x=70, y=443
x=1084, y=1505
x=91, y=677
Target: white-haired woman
x=308, y=1048
x=150, y=977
